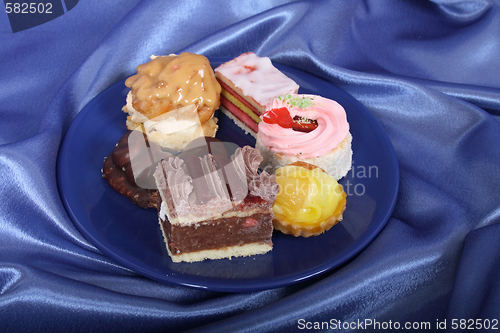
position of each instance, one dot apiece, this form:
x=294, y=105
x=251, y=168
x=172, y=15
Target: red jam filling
x=281, y=116
x=304, y=125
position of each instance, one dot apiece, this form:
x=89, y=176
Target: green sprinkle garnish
x=296, y=101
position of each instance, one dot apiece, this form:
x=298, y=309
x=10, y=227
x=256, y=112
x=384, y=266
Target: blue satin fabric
x=428, y=70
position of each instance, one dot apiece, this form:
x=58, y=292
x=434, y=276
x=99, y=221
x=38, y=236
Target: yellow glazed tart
x=309, y=201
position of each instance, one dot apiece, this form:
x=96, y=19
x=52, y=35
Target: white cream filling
x=135, y=115
x=174, y=121
x=173, y=129
x=163, y=211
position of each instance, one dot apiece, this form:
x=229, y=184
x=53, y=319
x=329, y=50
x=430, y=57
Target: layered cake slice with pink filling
x=215, y=206
x=249, y=83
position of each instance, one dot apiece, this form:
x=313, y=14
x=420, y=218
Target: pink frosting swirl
x=331, y=131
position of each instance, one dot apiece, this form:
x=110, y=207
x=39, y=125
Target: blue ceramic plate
x=131, y=235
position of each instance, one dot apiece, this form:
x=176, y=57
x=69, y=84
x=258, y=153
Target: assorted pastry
x=213, y=201
x=249, y=84
x=215, y=205
x=173, y=99
x=306, y=128
x=309, y=202
x=129, y=169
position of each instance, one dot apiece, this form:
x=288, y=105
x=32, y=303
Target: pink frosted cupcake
x=307, y=128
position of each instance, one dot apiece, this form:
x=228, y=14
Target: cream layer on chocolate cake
x=215, y=206
x=249, y=83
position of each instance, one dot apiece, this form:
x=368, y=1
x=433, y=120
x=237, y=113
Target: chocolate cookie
x=130, y=166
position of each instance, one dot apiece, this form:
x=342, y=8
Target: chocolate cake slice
x=214, y=205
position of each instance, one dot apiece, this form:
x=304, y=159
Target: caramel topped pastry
x=167, y=83
x=173, y=99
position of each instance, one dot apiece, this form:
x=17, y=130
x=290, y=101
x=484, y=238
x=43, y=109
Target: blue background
x=427, y=70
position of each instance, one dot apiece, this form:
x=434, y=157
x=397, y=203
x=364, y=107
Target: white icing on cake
x=257, y=77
